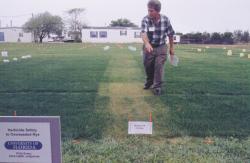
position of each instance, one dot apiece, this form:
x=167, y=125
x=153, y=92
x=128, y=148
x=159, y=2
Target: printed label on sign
x=140, y=127
x=25, y=142
x=151, y=29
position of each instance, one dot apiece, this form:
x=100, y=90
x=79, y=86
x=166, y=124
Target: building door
x=1, y=36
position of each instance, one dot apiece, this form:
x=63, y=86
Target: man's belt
x=156, y=45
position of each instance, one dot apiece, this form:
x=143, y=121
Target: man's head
x=154, y=8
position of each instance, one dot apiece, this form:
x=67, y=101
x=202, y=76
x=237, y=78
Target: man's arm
x=145, y=40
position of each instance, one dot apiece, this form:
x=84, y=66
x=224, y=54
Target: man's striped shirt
x=157, y=32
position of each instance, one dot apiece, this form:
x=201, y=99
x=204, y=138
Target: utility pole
x=33, y=33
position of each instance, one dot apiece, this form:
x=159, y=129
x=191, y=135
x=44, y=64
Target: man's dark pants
x=154, y=66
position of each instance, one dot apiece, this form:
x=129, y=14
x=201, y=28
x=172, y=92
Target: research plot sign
x=30, y=140
x=140, y=127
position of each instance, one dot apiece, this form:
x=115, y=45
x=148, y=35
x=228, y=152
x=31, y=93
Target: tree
x=75, y=22
x=237, y=35
x=227, y=38
x=197, y=37
x=43, y=25
x=206, y=38
x=122, y=23
x=245, y=37
x=187, y=38
x=194, y=38
x=216, y=38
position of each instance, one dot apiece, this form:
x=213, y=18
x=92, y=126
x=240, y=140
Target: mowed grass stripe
x=124, y=89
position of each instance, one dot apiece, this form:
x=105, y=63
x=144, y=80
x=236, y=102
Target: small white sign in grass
x=140, y=127
x=224, y=48
x=242, y=55
x=26, y=56
x=4, y=53
x=229, y=53
x=6, y=61
x=132, y=48
x=106, y=48
x=199, y=50
x=15, y=59
x=243, y=50
x=248, y=56
x=207, y=47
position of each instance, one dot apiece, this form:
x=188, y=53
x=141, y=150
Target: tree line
x=238, y=36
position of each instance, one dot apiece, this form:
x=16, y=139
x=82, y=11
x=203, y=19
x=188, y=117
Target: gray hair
x=155, y=4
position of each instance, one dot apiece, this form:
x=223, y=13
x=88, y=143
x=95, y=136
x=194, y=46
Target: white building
x=14, y=34
x=115, y=35
x=111, y=35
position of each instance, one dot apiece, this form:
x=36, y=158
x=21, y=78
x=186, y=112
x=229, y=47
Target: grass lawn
x=203, y=115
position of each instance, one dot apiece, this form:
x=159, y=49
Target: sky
x=185, y=15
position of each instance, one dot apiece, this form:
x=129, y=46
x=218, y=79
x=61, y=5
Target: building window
x=137, y=34
x=123, y=32
x=1, y=36
x=93, y=34
x=174, y=38
x=103, y=34
x=20, y=34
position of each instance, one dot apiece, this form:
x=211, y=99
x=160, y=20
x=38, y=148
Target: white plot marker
x=26, y=56
x=15, y=59
x=242, y=55
x=199, y=50
x=4, y=53
x=132, y=48
x=229, y=53
x=6, y=61
x=106, y=48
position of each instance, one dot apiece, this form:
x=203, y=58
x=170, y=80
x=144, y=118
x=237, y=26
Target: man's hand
x=145, y=40
x=171, y=45
x=171, y=51
x=148, y=47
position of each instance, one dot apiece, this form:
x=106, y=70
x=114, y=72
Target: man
x=155, y=28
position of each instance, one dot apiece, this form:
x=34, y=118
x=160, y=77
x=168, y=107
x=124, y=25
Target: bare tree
x=75, y=22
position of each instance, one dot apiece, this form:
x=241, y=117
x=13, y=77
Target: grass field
x=203, y=115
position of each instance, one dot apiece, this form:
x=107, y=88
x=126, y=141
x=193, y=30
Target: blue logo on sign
x=23, y=145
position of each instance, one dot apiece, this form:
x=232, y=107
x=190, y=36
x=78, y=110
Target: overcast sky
x=185, y=15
